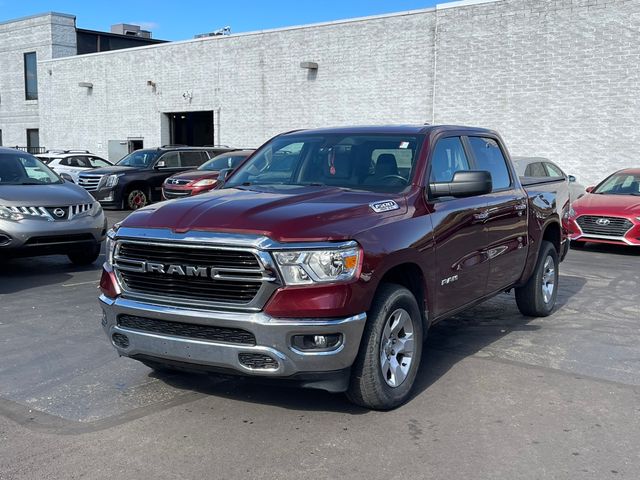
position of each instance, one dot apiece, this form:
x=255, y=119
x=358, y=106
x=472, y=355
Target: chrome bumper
x=273, y=338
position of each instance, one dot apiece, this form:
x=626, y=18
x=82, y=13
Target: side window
x=64, y=162
x=171, y=160
x=97, y=162
x=78, y=162
x=553, y=170
x=192, y=159
x=447, y=159
x=535, y=170
x=489, y=157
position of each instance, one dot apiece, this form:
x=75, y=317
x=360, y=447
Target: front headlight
x=570, y=214
x=110, y=181
x=205, y=182
x=110, y=246
x=97, y=209
x=6, y=214
x=301, y=267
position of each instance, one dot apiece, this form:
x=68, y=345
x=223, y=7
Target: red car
x=608, y=213
x=204, y=178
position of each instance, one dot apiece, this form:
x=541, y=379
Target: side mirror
x=572, y=179
x=222, y=176
x=463, y=184
x=160, y=164
x=590, y=189
x=67, y=177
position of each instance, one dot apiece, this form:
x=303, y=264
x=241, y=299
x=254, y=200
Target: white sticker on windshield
x=384, y=206
x=404, y=145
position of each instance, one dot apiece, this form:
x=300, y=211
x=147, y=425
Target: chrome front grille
x=193, y=275
x=169, y=194
x=604, y=226
x=177, y=181
x=89, y=181
x=67, y=212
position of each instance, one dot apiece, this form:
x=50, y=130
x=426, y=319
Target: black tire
x=85, y=257
x=136, y=197
x=531, y=297
x=368, y=386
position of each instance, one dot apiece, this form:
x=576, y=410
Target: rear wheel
x=85, y=257
x=390, y=351
x=538, y=296
x=136, y=198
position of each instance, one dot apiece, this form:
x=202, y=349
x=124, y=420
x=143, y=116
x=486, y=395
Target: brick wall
x=558, y=78
x=50, y=36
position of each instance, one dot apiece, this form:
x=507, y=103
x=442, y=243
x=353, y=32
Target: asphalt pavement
x=498, y=396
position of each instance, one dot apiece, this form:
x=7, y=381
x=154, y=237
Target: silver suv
x=42, y=214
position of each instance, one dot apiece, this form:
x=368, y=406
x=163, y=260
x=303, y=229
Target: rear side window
x=192, y=159
x=553, y=170
x=447, y=159
x=489, y=157
x=535, y=170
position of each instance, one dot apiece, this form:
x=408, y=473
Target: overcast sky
x=182, y=20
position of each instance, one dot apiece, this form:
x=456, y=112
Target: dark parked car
x=136, y=180
x=204, y=178
x=328, y=254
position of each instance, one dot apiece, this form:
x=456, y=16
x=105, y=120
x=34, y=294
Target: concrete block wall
x=558, y=78
x=50, y=36
x=370, y=71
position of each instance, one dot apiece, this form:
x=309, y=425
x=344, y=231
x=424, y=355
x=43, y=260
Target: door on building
x=191, y=128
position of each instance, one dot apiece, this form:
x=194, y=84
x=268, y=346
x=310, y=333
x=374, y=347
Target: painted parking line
x=80, y=283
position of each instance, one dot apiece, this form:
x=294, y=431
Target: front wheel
x=136, y=198
x=538, y=296
x=386, y=367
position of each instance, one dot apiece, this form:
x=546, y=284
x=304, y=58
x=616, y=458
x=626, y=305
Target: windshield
x=379, y=163
x=25, y=169
x=222, y=161
x=620, y=184
x=139, y=158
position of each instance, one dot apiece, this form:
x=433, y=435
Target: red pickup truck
x=328, y=254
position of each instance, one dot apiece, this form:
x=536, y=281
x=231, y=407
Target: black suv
x=136, y=180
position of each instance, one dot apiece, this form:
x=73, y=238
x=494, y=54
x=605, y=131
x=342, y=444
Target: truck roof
x=389, y=129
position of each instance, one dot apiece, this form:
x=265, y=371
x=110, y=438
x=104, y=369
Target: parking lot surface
x=498, y=395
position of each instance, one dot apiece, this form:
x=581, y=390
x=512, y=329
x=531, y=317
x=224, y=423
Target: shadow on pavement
x=449, y=342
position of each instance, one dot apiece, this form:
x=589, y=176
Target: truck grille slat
x=187, y=330
x=596, y=225
x=208, y=258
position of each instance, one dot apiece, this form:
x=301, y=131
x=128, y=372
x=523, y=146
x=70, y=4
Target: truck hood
x=56, y=195
x=593, y=203
x=283, y=213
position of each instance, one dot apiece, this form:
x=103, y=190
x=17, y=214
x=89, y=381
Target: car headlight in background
x=110, y=245
x=205, y=182
x=6, y=214
x=109, y=181
x=302, y=267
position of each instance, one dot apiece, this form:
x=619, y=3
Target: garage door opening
x=191, y=128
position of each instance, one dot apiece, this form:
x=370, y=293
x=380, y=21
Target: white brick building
x=558, y=78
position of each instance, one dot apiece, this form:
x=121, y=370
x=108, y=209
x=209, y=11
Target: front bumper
x=41, y=237
x=108, y=197
x=273, y=339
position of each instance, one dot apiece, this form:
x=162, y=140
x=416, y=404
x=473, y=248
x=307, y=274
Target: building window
x=30, y=76
x=33, y=140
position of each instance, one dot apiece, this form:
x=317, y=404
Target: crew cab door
x=505, y=219
x=459, y=233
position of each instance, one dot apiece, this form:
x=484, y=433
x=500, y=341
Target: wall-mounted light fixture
x=309, y=65
x=88, y=85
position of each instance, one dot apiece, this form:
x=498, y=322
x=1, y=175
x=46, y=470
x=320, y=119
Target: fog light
x=120, y=340
x=317, y=342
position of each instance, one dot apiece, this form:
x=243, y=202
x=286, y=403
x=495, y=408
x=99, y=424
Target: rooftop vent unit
x=130, y=30
x=221, y=31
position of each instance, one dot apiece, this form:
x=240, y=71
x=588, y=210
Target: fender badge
x=384, y=206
